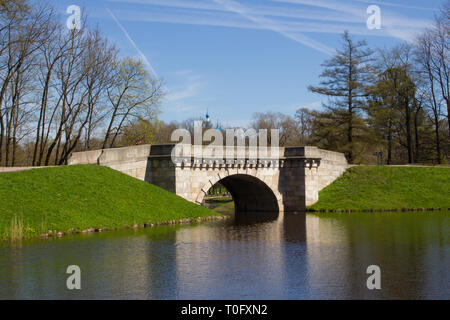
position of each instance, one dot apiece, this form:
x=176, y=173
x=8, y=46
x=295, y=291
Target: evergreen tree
x=345, y=78
x=390, y=105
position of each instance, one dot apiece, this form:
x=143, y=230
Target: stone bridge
x=289, y=182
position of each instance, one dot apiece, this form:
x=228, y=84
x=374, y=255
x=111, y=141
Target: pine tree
x=345, y=78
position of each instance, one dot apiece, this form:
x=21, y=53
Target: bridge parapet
x=280, y=158
x=294, y=175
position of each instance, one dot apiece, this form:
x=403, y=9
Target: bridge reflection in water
x=248, y=250
x=293, y=256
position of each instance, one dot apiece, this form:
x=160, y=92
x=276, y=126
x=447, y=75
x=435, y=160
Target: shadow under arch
x=250, y=194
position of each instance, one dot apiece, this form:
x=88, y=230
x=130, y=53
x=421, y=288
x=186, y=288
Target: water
x=310, y=256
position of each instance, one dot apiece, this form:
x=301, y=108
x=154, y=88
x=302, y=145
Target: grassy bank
x=76, y=198
x=223, y=205
x=382, y=188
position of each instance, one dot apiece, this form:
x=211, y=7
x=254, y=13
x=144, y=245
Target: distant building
x=207, y=121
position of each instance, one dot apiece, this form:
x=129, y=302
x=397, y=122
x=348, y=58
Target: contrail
x=273, y=26
x=153, y=72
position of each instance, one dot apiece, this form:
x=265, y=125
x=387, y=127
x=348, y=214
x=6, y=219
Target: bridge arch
x=295, y=180
x=250, y=193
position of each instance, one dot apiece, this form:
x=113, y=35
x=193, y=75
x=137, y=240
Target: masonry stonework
x=289, y=182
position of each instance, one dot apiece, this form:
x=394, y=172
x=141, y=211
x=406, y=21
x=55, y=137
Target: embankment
x=82, y=198
x=387, y=188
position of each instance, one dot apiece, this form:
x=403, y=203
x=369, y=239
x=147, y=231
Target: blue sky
x=237, y=57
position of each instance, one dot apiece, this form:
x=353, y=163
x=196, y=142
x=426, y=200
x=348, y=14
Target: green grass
x=382, y=187
x=226, y=207
x=222, y=205
x=76, y=198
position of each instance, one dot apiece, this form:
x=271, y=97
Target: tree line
x=393, y=101
x=64, y=89
x=390, y=101
x=67, y=90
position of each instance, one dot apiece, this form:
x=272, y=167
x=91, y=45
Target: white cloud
x=394, y=25
x=391, y=4
x=290, y=18
x=183, y=96
x=265, y=10
x=272, y=25
x=188, y=90
x=316, y=105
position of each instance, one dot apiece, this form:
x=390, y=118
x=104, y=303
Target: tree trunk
x=416, y=138
x=108, y=131
x=389, y=137
x=408, y=130
x=8, y=134
x=438, y=140
x=2, y=115
x=350, y=126
x=41, y=115
x=118, y=129
x=2, y=132
x=448, y=116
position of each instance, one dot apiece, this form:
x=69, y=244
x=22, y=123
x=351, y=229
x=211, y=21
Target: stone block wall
x=129, y=160
x=302, y=172
x=332, y=165
x=161, y=172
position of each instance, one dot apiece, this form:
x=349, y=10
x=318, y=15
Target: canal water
x=292, y=256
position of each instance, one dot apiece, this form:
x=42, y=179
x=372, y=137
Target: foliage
x=133, y=93
x=395, y=108
x=141, y=131
x=63, y=90
x=345, y=78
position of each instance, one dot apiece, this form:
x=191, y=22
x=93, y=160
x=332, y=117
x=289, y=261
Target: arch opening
x=249, y=194
x=218, y=198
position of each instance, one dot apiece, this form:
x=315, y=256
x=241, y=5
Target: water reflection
x=412, y=250
x=290, y=256
x=236, y=257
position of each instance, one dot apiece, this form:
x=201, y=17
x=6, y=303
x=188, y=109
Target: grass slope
x=222, y=205
x=375, y=187
x=75, y=198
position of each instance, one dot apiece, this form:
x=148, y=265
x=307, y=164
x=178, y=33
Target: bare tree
x=287, y=126
x=100, y=56
x=96, y=78
x=24, y=38
x=431, y=88
x=50, y=52
x=134, y=93
x=305, y=119
x=65, y=86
